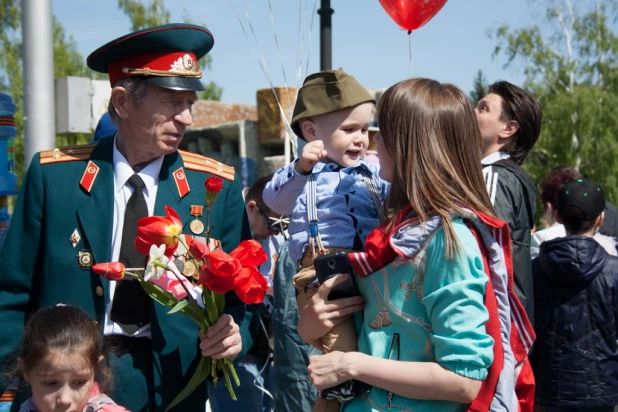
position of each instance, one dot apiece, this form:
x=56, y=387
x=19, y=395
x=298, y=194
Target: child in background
x=575, y=358
x=60, y=359
x=332, y=197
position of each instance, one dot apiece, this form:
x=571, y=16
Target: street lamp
x=326, y=39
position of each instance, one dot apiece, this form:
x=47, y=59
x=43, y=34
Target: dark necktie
x=131, y=305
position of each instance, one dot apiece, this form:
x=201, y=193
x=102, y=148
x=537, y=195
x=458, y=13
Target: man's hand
x=312, y=153
x=222, y=340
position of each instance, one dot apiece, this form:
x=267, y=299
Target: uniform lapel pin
x=75, y=238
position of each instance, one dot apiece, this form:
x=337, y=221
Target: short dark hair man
x=510, y=122
x=73, y=211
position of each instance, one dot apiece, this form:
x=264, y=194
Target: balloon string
x=410, y=50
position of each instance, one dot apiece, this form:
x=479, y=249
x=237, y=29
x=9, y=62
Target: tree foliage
x=570, y=64
x=479, y=87
x=154, y=14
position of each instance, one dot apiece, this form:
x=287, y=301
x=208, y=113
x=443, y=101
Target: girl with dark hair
x=60, y=359
x=430, y=333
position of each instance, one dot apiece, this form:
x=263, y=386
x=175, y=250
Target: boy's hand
x=312, y=153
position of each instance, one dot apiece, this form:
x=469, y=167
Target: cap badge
x=184, y=65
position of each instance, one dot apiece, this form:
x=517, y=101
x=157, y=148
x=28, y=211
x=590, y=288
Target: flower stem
x=232, y=371
x=181, y=240
x=169, y=269
x=228, y=384
x=133, y=275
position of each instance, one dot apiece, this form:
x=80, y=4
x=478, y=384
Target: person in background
x=510, y=122
x=105, y=128
x=548, y=195
x=79, y=206
x=575, y=357
x=255, y=369
x=60, y=359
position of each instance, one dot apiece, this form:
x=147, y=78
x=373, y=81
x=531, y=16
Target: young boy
x=329, y=188
x=575, y=357
x=509, y=119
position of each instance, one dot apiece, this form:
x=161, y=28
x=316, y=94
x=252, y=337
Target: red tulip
x=109, y=270
x=219, y=271
x=250, y=252
x=216, y=283
x=250, y=285
x=158, y=230
x=197, y=249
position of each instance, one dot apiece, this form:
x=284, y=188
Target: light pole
x=326, y=38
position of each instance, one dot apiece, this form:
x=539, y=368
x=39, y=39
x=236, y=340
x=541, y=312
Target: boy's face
x=345, y=133
x=488, y=114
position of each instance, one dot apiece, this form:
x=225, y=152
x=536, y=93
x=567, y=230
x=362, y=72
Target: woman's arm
x=416, y=380
x=321, y=315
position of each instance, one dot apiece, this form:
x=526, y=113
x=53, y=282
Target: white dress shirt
x=122, y=192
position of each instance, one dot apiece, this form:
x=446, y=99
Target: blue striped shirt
x=346, y=211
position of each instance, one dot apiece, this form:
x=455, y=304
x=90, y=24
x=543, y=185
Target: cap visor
x=173, y=82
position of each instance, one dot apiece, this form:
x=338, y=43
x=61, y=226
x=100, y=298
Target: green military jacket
x=40, y=265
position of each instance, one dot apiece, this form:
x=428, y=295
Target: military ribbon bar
x=197, y=210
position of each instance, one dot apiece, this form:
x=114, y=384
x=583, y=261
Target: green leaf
x=209, y=303
x=220, y=302
x=158, y=294
x=200, y=374
x=181, y=305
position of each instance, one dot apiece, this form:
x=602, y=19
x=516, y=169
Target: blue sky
x=366, y=42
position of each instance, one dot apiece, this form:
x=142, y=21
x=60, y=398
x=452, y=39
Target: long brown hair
x=431, y=132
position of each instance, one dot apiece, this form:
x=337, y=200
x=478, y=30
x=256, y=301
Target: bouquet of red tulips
x=212, y=270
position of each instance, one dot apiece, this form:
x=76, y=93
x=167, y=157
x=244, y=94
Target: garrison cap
x=326, y=92
x=164, y=56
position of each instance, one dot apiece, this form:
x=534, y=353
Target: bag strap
x=312, y=212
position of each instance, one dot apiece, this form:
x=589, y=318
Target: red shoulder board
x=66, y=154
x=194, y=161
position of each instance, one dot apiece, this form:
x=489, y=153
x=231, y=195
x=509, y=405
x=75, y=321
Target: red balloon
x=412, y=14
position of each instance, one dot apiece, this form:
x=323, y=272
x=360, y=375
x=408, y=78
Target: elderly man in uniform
x=79, y=206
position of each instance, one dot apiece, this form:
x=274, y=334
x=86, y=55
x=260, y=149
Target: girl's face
x=386, y=161
x=61, y=383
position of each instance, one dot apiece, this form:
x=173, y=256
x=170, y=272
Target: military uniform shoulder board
x=194, y=161
x=67, y=154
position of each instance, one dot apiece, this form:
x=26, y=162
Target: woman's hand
x=321, y=315
x=326, y=371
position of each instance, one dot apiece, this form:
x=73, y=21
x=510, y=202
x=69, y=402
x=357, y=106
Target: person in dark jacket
x=510, y=122
x=575, y=357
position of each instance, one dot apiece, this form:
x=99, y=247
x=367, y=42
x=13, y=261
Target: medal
x=190, y=270
x=84, y=259
x=197, y=227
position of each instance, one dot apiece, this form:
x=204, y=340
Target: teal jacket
x=39, y=268
x=426, y=308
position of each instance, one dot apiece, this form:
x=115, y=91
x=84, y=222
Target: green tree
x=67, y=62
x=479, y=87
x=572, y=69
x=154, y=14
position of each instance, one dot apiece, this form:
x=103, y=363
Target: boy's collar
x=494, y=157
